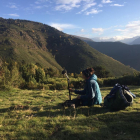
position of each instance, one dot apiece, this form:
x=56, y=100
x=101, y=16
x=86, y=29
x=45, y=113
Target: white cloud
x=87, y=6
x=107, y=1
x=82, y=30
x=13, y=15
x=38, y=7
x=97, y=30
x=67, y=4
x=36, y=2
x=70, y=4
x=41, y=1
x=66, y=7
x=61, y=27
x=132, y=29
x=84, y=6
x=120, y=30
x=68, y=1
x=12, y=5
x=58, y=28
x=118, y=5
x=93, y=11
x=34, y=6
x=108, y=39
x=100, y=5
x=133, y=24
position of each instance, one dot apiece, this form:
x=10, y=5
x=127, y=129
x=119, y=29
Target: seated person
x=91, y=94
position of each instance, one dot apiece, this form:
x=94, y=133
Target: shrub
x=23, y=85
x=76, y=75
x=125, y=80
x=61, y=86
x=40, y=86
x=16, y=78
x=46, y=87
x=52, y=87
x=40, y=75
x=50, y=81
x=78, y=84
x=6, y=87
x=31, y=85
x=51, y=72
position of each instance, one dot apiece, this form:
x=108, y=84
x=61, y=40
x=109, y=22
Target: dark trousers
x=77, y=102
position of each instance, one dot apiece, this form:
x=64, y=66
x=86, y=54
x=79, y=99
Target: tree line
x=23, y=75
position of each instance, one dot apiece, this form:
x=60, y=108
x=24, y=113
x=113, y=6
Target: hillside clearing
x=37, y=115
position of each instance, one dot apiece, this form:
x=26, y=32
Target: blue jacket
x=91, y=93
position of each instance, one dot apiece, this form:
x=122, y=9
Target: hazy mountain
x=38, y=43
x=99, y=39
x=126, y=54
x=129, y=40
x=126, y=41
x=136, y=41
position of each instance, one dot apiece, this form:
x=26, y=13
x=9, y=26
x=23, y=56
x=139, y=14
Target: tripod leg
x=69, y=90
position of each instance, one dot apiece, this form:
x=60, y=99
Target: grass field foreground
x=37, y=115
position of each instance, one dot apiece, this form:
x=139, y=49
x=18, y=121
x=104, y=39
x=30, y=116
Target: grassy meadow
x=37, y=115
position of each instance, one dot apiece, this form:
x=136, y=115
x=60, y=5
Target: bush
x=31, y=85
x=40, y=86
x=51, y=72
x=52, y=87
x=23, y=85
x=78, y=84
x=125, y=80
x=6, y=87
x=50, y=81
x=40, y=75
x=61, y=86
x=46, y=87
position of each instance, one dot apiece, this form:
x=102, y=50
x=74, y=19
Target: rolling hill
x=126, y=54
x=35, y=42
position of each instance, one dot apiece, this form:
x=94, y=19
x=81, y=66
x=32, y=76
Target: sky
x=116, y=19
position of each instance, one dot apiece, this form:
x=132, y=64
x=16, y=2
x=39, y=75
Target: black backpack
x=119, y=98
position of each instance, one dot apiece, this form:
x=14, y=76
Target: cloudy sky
x=116, y=19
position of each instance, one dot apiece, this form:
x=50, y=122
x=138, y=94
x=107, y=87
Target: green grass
x=37, y=115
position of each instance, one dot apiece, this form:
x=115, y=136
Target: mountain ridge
x=136, y=42
x=39, y=43
x=126, y=40
x=126, y=54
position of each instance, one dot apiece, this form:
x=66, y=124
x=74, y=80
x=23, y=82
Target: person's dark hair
x=88, y=72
